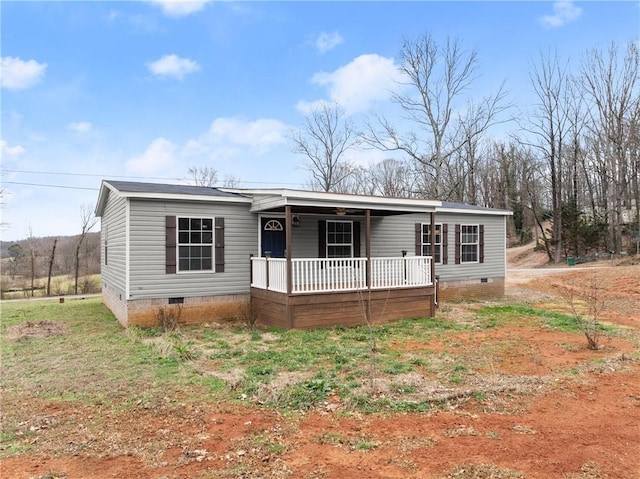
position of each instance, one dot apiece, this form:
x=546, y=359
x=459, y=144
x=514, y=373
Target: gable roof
x=135, y=189
x=276, y=199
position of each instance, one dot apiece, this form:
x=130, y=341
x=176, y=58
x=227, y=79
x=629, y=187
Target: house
x=291, y=258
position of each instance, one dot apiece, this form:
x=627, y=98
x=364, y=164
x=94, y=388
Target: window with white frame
x=469, y=242
x=426, y=241
x=339, y=239
x=195, y=244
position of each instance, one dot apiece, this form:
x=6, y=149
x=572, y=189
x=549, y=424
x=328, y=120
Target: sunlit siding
x=113, y=231
x=393, y=234
x=148, y=278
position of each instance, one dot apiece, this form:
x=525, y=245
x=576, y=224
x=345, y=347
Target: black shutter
x=219, y=247
x=356, y=239
x=481, y=228
x=170, y=244
x=457, y=244
x=418, y=239
x=444, y=235
x=322, y=239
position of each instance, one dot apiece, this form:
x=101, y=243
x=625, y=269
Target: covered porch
x=316, y=267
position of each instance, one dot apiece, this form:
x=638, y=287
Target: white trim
x=183, y=197
x=326, y=238
x=463, y=211
x=284, y=197
x=178, y=244
x=504, y=229
x=423, y=243
x=477, y=243
x=260, y=216
x=273, y=225
x=127, y=246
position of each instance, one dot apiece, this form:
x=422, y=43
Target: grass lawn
x=481, y=390
x=77, y=351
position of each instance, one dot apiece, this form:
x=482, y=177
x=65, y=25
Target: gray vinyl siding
x=148, y=278
x=113, y=230
x=305, y=238
x=393, y=234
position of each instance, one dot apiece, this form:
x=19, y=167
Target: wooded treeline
x=570, y=160
x=36, y=264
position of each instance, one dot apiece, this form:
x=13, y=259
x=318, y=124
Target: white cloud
x=356, y=85
x=173, y=66
x=259, y=134
x=563, y=12
x=16, y=74
x=80, y=126
x=327, y=41
x=158, y=157
x=11, y=151
x=180, y=8
x=233, y=140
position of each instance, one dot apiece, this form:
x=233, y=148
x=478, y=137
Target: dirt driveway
x=581, y=418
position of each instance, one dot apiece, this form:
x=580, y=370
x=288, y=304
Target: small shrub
x=89, y=285
x=591, y=300
x=168, y=317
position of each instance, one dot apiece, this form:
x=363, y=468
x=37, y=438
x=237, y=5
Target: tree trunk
x=51, y=258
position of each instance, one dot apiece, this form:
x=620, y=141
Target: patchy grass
x=561, y=321
x=77, y=352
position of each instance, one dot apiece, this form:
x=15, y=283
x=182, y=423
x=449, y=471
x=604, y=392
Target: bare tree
x=327, y=135
x=87, y=222
x=16, y=256
x=51, y=260
x=436, y=78
x=34, y=254
x=549, y=126
x=203, y=176
x=231, y=181
x=611, y=85
x=392, y=177
x=3, y=193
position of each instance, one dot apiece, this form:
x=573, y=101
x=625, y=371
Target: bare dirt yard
x=520, y=399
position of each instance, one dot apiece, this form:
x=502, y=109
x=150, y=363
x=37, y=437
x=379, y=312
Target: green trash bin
x=571, y=261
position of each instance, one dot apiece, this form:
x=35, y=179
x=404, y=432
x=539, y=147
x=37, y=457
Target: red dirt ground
x=587, y=426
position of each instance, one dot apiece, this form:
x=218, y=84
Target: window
x=339, y=239
x=195, y=244
x=426, y=242
x=469, y=241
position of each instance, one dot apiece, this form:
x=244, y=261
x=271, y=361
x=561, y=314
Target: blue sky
x=145, y=90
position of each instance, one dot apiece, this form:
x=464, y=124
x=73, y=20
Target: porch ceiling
x=325, y=210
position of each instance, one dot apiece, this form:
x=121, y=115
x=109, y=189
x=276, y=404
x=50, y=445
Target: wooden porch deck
x=343, y=308
x=323, y=292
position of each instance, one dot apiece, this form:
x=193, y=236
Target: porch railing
x=311, y=275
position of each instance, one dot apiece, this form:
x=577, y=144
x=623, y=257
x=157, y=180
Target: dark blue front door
x=273, y=237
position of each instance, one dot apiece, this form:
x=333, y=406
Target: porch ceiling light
x=341, y=211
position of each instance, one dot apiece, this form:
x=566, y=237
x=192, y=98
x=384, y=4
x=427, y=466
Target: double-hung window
x=469, y=242
x=426, y=241
x=195, y=244
x=339, y=239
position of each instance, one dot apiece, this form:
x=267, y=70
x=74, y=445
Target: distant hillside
x=44, y=242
